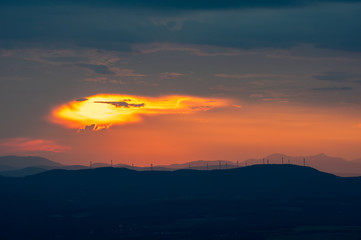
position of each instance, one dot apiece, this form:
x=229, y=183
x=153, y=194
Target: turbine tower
x=304, y=161
x=91, y=164
x=220, y=164
x=282, y=159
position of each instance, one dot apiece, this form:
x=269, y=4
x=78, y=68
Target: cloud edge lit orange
x=104, y=110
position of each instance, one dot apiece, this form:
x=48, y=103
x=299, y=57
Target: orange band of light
x=104, y=110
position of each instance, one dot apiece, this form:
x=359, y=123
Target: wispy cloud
x=332, y=89
x=104, y=80
x=338, y=77
x=119, y=76
x=170, y=75
x=251, y=75
x=185, y=5
x=100, y=69
x=221, y=87
x=127, y=73
x=28, y=145
x=334, y=76
x=198, y=50
x=121, y=104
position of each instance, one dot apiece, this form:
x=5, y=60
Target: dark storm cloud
x=101, y=69
x=332, y=89
x=68, y=24
x=178, y=4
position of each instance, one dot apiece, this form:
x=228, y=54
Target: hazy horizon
x=275, y=159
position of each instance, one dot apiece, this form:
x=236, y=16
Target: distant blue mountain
x=6, y=168
x=17, y=162
x=24, y=166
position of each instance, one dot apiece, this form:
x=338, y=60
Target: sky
x=174, y=81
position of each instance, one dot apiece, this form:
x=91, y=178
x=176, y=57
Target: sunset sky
x=139, y=81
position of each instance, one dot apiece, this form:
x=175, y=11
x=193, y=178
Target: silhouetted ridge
x=106, y=198
x=123, y=185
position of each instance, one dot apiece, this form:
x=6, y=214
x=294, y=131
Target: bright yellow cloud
x=103, y=110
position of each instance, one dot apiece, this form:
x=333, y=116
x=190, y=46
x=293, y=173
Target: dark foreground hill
x=255, y=202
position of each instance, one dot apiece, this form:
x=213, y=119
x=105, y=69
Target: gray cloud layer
x=178, y=4
x=65, y=24
x=333, y=89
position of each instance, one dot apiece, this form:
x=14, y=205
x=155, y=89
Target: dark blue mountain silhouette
x=116, y=203
x=17, y=162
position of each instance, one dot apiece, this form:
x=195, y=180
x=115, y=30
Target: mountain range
x=19, y=166
x=322, y=162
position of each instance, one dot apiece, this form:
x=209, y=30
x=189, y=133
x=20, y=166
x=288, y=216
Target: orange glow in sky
x=103, y=110
x=227, y=133
x=25, y=145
